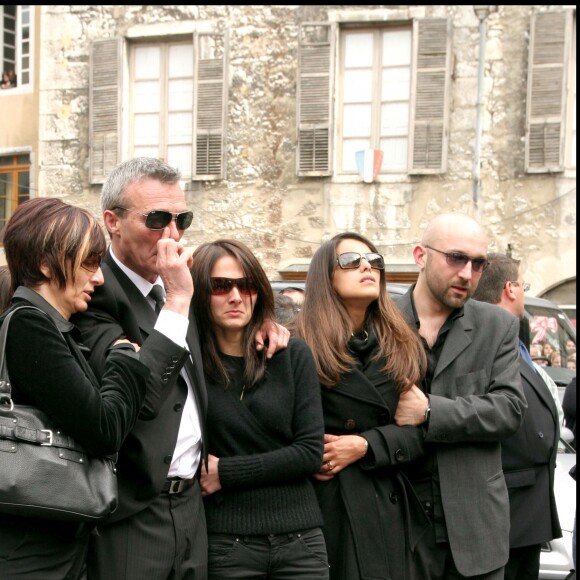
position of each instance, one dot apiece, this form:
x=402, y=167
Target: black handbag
x=44, y=473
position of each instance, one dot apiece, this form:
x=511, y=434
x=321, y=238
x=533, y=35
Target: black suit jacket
x=529, y=461
x=118, y=309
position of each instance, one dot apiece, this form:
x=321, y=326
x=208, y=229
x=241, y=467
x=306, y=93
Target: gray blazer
x=476, y=401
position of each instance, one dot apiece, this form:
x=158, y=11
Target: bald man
x=470, y=401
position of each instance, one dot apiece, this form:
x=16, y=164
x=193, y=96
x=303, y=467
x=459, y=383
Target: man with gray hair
x=529, y=455
x=159, y=530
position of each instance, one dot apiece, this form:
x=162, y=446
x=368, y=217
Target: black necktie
x=157, y=294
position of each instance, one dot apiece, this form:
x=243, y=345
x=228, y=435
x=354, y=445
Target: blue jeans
x=288, y=556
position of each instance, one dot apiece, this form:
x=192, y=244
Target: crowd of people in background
x=546, y=354
x=332, y=432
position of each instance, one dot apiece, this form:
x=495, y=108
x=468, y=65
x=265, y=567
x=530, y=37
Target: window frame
x=316, y=97
x=15, y=168
x=108, y=105
x=23, y=46
x=375, y=136
x=548, y=96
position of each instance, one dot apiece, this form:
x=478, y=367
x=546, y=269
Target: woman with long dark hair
x=265, y=428
x=366, y=355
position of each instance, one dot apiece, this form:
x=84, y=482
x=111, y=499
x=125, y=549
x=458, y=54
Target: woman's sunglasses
x=459, y=260
x=352, y=260
x=223, y=286
x=158, y=219
x=92, y=263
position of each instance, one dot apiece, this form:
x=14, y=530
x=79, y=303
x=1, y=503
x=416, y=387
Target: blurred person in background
x=297, y=294
x=285, y=308
x=5, y=288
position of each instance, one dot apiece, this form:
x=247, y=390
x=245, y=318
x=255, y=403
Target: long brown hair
x=204, y=259
x=324, y=323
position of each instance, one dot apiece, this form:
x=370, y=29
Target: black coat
x=529, y=461
x=371, y=518
x=118, y=309
x=48, y=370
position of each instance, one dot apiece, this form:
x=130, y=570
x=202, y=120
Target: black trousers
x=288, y=556
x=434, y=561
x=165, y=541
x=523, y=563
x=36, y=549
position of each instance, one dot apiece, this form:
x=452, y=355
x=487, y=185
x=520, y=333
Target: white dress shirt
x=187, y=454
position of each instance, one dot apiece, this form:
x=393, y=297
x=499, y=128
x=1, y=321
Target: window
x=375, y=96
x=392, y=95
x=162, y=103
x=551, y=99
x=571, y=124
x=15, y=49
x=14, y=184
x=176, y=104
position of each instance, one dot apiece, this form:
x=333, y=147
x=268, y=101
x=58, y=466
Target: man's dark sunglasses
x=352, y=260
x=459, y=260
x=158, y=219
x=223, y=286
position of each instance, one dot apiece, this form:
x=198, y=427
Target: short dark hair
x=501, y=269
x=48, y=231
x=285, y=308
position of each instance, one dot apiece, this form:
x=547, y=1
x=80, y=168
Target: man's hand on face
x=173, y=264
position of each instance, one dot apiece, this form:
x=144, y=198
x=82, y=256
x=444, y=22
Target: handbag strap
x=5, y=387
x=14, y=431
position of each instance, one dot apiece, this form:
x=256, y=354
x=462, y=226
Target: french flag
x=369, y=163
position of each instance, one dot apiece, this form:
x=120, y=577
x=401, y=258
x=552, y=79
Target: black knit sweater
x=269, y=443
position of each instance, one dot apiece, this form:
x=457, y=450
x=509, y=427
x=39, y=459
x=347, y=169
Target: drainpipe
x=482, y=12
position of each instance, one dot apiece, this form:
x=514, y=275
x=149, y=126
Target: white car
x=556, y=557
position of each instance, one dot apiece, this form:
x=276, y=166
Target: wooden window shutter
x=430, y=90
x=314, y=98
x=209, y=106
x=106, y=68
x=551, y=35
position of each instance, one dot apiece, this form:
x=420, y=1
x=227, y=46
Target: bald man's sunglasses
x=460, y=260
x=158, y=219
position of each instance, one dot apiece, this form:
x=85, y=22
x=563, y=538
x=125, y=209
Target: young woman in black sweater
x=265, y=428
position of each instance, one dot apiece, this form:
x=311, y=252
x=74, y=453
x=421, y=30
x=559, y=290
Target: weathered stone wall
x=283, y=217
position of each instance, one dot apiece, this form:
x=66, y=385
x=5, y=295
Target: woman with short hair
x=54, y=251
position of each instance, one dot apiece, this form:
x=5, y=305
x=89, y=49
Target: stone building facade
x=286, y=84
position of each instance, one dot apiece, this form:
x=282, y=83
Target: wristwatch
x=427, y=410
